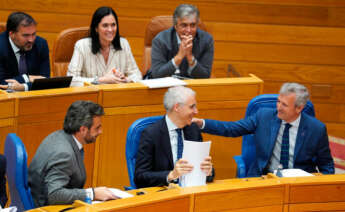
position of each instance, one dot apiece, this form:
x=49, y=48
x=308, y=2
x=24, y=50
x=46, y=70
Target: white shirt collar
x=178, y=39
x=80, y=146
x=171, y=126
x=14, y=47
x=294, y=123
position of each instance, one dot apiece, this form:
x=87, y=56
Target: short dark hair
x=17, y=19
x=96, y=19
x=81, y=113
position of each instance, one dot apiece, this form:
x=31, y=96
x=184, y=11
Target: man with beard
x=57, y=173
x=23, y=55
x=284, y=135
x=184, y=49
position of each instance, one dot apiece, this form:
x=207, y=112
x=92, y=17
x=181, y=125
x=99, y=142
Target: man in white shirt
x=160, y=150
x=24, y=56
x=283, y=135
x=57, y=174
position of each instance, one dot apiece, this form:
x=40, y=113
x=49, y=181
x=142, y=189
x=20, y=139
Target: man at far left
x=24, y=56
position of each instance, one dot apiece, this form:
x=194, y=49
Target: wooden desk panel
x=40, y=113
x=236, y=195
x=217, y=98
x=7, y=120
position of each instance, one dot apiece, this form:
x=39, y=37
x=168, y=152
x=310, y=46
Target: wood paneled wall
x=279, y=41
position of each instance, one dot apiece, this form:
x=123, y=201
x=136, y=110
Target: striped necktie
x=179, y=143
x=284, y=154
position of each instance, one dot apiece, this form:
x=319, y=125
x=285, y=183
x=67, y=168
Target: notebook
x=54, y=82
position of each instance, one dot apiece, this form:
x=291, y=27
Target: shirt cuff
x=26, y=78
x=173, y=62
x=191, y=68
x=203, y=124
x=26, y=87
x=89, y=193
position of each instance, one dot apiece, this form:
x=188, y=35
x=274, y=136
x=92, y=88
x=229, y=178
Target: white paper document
x=162, y=82
x=195, y=153
x=118, y=193
x=294, y=173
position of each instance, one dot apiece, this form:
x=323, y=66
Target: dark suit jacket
x=154, y=158
x=37, y=60
x=311, y=149
x=165, y=47
x=56, y=173
x=3, y=195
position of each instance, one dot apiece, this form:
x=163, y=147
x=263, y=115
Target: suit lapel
x=302, y=129
x=275, y=126
x=77, y=154
x=165, y=142
x=12, y=60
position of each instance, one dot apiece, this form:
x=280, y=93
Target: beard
x=89, y=139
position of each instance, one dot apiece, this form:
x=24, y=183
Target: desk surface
x=249, y=194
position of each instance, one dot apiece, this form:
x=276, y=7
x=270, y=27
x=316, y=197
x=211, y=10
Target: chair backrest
x=17, y=173
x=132, y=143
x=262, y=101
x=2, y=26
x=63, y=48
x=156, y=25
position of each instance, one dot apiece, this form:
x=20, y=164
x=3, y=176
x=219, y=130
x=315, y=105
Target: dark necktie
x=82, y=153
x=284, y=154
x=22, y=67
x=179, y=143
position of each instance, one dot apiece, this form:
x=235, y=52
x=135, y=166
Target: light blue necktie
x=284, y=154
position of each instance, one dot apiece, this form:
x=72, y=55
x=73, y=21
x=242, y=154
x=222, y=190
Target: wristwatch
x=95, y=81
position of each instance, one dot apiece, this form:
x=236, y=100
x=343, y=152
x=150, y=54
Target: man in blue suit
x=23, y=55
x=283, y=135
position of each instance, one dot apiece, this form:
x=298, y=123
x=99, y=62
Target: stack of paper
x=162, y=82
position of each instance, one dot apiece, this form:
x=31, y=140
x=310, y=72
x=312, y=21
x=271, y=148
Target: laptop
x=53, y=82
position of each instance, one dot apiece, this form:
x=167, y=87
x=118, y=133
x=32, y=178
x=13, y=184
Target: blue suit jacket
x=154, y=158
x=37, y=60
x=311, y=149
x=165, y=47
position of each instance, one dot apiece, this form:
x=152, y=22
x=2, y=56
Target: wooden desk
x=35, y=114
x=223, y=99
x=39, y=113
x=318, y=193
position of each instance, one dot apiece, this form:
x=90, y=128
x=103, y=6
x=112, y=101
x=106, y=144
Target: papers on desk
x=294, y=173
x=10, y=209
x=195, y=153
x=162, y=82
x=118, y=193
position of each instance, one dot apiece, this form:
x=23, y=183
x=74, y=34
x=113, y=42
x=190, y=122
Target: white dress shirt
x=16, y=51
x=275, y=159
x=86, y=66
x=173, y=137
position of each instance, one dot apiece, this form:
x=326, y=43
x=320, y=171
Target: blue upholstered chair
x=248, y=144
x=132, y=144
x=17, y=173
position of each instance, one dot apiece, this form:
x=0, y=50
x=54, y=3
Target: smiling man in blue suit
x=283, y=135
x=24, y=56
